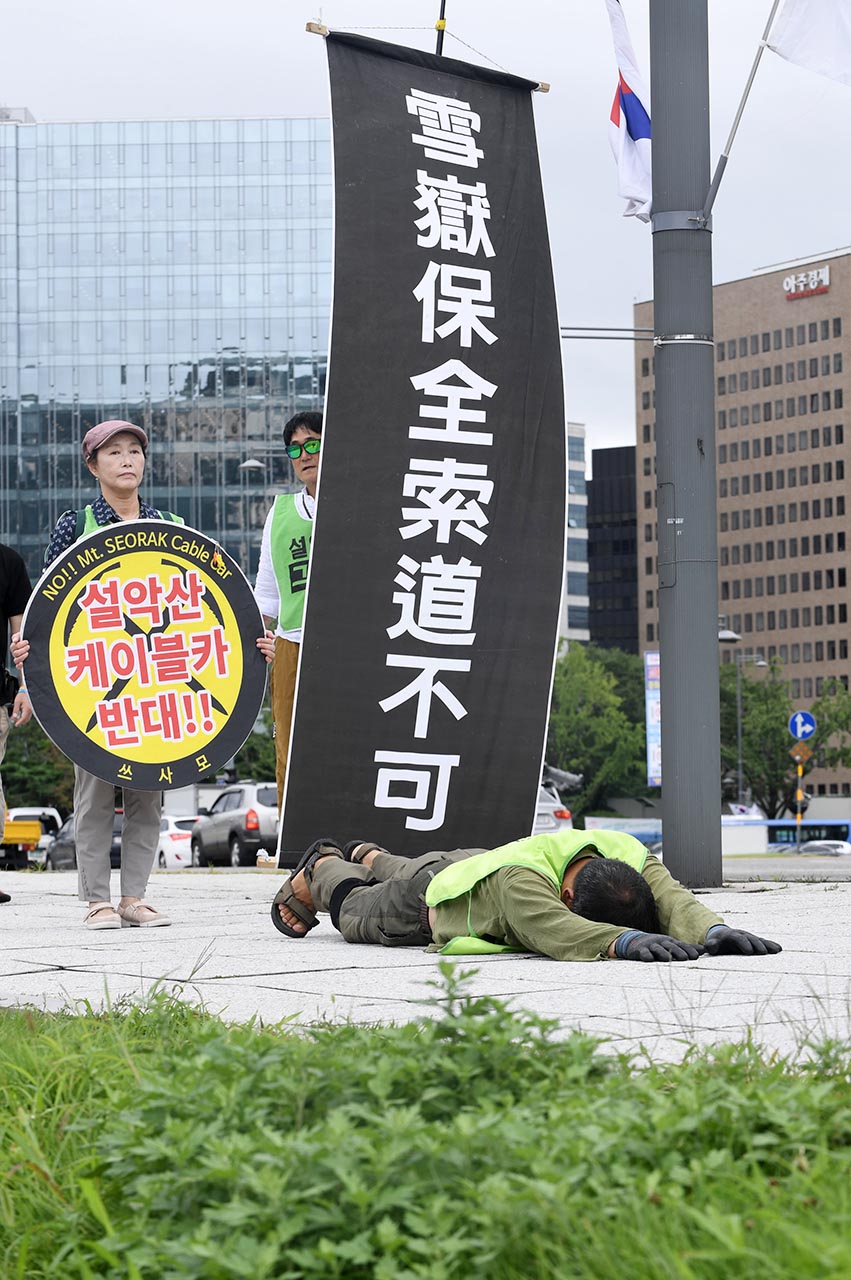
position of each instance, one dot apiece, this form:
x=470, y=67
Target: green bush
x=158, y=1142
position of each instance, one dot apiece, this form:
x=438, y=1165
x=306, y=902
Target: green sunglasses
x=308, y=446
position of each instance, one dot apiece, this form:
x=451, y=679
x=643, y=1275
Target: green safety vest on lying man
x=550, y=856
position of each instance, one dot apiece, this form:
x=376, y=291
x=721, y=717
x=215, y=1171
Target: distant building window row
x=734, y=520
x=816, y=367
x=768, y=480
x=793, y=336
x=828, y=649
x=823, y=578
x=747, y=415
x=757, y=448
x=785, y=584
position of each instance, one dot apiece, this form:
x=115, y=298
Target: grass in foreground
x=158, y=1142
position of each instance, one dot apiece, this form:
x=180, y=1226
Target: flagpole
x=685, y=442
x=440, y=26
x=725, y=154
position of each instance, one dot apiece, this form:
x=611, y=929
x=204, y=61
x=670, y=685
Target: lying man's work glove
x=721, y=940
x=635, y=945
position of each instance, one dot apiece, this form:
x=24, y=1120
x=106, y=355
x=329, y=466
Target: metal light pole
x=759, y=661
x=685, y=441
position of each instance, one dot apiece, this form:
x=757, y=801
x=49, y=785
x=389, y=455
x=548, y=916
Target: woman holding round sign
x=138, y=664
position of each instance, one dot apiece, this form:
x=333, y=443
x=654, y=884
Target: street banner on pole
x=143, y=665
x=438, y=553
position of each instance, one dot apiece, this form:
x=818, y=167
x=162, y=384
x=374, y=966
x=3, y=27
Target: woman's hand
x=20, y=650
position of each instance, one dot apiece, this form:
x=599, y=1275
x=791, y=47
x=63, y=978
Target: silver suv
x=242, y=820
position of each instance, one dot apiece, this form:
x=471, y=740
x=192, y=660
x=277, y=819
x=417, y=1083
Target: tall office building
x=574, y=614
x=782, y=372
x=612, y=567
x=172, y=273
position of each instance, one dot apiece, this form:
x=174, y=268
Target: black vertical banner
x=438, y=555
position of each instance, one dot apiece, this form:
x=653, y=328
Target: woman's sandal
x=286, y=896
x=349, y=850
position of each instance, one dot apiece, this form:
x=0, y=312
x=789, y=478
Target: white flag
x=629, y=123
x=815, y=34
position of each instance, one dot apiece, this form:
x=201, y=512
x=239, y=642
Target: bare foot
x=298, y=883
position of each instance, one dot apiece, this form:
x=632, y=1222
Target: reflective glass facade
x=175, y=274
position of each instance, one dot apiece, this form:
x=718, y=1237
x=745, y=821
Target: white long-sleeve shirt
x=266, y=586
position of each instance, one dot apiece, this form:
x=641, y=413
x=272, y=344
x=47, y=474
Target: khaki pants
x=282, y=693
x=94, y=807
x=382, y=904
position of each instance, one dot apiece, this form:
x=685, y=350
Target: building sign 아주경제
x=438, y=555
x=806, y=284
x=143, y=665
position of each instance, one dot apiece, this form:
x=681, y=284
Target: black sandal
x=286, y=896
x=349, y=849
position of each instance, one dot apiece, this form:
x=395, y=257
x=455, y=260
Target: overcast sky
x=786, y=193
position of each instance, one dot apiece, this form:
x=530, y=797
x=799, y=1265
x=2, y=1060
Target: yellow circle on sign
x=147, y=657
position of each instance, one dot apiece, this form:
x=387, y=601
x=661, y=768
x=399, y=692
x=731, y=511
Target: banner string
x=451, y=34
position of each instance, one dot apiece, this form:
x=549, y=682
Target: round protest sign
x=143, y=666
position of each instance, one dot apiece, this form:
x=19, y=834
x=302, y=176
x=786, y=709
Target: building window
x=731, y=349
x=722, y=419
x=790, y=407
x=645, y=399
x=649, y=632
x=838, y=400
x=754, y=344
x=813, y=327
x=645, y=433
x=837, y=327
x=722, y=453
x=778, y=339
x=722, y=386
x=733, y=383
x=789, y=338
x=645, y=367
x=825, y=330
x=802, y=406
x=746, y=417
x=838, y=434
x=766, y=342
x=800, y=334
x=722, y=488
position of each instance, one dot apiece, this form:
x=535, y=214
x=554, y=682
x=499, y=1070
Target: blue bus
x=784, y=831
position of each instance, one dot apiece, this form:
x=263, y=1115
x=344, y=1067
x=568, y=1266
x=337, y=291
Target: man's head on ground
x=302, y=436
x=611, y=892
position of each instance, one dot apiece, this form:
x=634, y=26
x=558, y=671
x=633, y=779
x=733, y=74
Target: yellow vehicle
x=19, y=837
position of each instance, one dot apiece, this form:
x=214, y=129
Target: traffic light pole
x=685, y=442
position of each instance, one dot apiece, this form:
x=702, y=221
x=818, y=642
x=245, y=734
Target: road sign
x=801, y=753
x=802, y=724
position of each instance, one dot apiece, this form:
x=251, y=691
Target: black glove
x=655, y=946
x=724, y=941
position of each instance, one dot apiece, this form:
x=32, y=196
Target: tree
x=767, y=768
x=589, y=732
x=832, y=739
x=35, y=772
x=256, y=757
x=628, y=671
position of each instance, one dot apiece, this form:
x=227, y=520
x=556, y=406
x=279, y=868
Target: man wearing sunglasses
x=282, y=574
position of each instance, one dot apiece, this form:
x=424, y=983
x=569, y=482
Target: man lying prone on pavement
x=578, y=895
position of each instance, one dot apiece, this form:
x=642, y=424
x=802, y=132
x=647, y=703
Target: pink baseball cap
x=96, y=436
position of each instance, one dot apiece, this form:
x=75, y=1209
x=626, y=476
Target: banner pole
x=440, y=27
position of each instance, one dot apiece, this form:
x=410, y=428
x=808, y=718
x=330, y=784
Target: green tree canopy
x=769, y=772
x=35, y=772
x=591, y=734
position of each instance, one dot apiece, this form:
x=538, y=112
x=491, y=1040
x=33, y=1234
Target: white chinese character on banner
x=447, y=128
x=435, y=384
x=444, y=613
x=446, y=214
x=440, y=488
x=405, y=769
x=424, y=687
x=442, y=288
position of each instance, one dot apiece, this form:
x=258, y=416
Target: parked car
x=243, y=820
x=61, y=855
x=551, y=814
x=174, y=847
x=50, y=824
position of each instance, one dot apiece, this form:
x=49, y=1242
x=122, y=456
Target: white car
x=551, y=814
x=831, y=848
x=174, y=848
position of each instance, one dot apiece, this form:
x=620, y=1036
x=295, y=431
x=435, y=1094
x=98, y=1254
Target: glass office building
x=173, y=273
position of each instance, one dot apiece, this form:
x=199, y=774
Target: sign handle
x=799, y=795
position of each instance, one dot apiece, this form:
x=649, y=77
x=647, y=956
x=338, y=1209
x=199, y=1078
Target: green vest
x=289, y=546
x=550, y=856
x=86, y=522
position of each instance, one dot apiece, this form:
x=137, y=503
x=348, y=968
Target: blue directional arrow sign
x=802, y=724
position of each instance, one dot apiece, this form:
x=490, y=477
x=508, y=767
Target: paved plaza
x=223, y=951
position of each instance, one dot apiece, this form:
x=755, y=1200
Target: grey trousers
x=94, y=807
x=382, y=904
